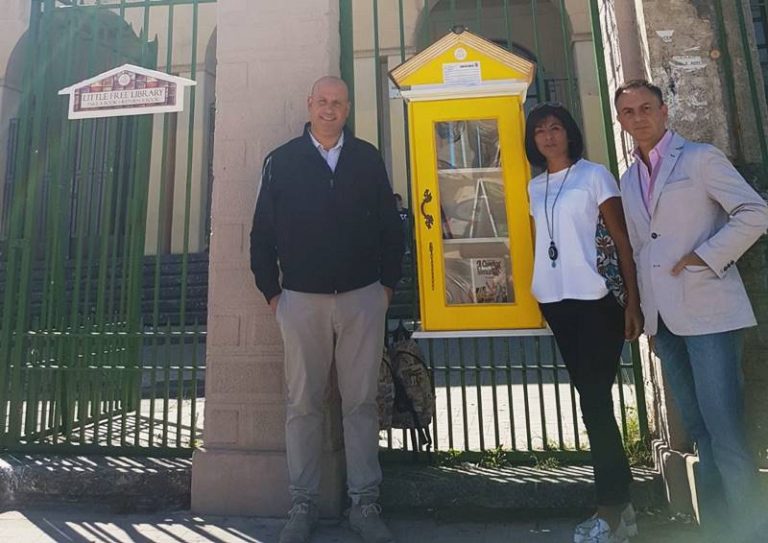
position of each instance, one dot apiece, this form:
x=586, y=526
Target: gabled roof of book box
x=496, y=63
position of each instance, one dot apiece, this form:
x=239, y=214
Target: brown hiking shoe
x=302, y=519
x=365, y=520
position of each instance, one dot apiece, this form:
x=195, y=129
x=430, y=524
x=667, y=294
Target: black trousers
x=590, y=336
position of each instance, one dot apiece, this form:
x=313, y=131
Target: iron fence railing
x=102, y=346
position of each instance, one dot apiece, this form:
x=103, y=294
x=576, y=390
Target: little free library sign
x=126, y=90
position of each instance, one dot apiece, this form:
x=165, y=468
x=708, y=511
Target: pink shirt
x=648, y=179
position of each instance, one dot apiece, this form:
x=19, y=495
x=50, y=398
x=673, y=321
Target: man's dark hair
x=638, y=84
x=538, y=114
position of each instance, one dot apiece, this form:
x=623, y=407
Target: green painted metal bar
x=507, y=24
x=479, y=16
x=108, y=209
x=757, y=105
x=540, y=384
x=622, y=404
x=408, y=181
x=494, y=399
x=639, y=383
x=510, y=397
x=114, y=297
x=463, y=383
x=377, y=77
x=432, y=370
x=60, y=417
x=574, y=416
x=556, y=382
x=537, y=50
x=479, y=388
x=166, y=388
x=167, y=182
x=567, y=56
x=426, y=29
x=526, y=402
x=446, y=365
x=153, y=379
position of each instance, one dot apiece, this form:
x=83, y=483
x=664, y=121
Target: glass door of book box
x=473, y=226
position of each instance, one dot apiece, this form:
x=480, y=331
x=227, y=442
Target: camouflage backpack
x=414, y=401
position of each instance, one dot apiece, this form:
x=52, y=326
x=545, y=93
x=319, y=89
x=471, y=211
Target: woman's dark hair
x=536, y=117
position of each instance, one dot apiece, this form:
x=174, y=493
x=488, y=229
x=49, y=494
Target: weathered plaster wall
x=684, y=62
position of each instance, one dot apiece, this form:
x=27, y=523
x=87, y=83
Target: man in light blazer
x=690, y=216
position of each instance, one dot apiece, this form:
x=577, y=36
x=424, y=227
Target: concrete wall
x=261, y=92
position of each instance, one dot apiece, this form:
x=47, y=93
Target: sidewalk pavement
x=72, y=524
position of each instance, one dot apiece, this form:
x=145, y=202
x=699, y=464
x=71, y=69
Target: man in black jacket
x=326, y=221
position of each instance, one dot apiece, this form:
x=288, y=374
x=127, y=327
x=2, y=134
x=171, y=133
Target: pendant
x=552, y=251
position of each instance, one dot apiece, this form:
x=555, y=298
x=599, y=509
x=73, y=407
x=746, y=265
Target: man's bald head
x=329, y=80
x=328, y=106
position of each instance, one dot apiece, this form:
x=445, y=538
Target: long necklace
x=552, y=251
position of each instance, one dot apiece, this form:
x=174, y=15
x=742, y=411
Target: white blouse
x=575, y=215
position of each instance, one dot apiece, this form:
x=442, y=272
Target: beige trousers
x=317, y=330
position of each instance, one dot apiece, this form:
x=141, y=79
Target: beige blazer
x=699, y=203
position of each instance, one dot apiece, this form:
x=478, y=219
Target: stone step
x=109, y=483
x=463, y=492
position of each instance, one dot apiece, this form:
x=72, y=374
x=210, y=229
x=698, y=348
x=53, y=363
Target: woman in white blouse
x=588, y=322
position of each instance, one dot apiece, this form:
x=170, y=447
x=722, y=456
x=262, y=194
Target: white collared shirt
x=331, y=156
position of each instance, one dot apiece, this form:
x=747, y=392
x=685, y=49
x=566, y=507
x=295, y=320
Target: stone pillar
x=268, y=58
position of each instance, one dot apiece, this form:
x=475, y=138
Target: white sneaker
x=597, y=530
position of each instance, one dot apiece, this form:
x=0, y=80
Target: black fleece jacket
x=326, y=231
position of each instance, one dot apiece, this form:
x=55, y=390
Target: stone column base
x=677, y=469
x=255, y=483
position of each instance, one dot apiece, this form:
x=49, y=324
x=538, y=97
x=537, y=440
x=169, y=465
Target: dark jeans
x=590, y=336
